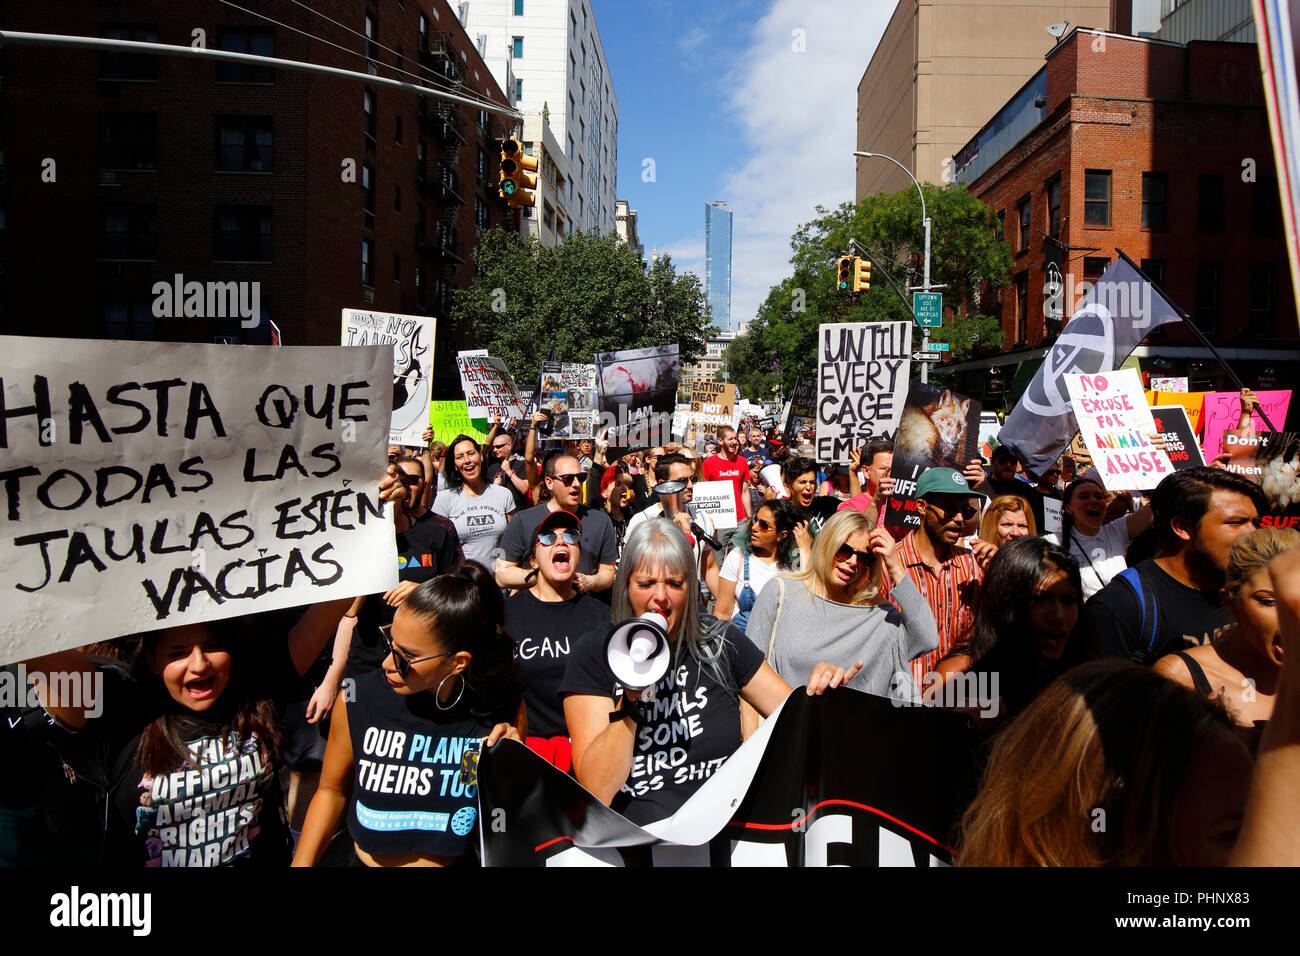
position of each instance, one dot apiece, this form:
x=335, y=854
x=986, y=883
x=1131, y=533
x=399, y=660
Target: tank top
x=407, y=796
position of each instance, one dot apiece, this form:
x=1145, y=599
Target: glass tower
x=717, y=263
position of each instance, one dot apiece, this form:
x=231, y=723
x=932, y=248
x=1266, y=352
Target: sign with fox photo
x=939, y=428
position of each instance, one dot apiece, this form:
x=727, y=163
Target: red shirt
x=717, y=468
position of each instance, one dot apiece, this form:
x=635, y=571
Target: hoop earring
x=437, y=695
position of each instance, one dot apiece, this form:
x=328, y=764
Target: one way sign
x=927, y=356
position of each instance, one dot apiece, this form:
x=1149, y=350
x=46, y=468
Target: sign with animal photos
x=1117, y=426
x=939, y=428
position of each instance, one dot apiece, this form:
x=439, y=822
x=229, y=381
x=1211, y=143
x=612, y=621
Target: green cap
x=944, y=481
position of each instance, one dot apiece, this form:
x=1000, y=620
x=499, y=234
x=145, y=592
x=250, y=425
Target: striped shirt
x=951, y=594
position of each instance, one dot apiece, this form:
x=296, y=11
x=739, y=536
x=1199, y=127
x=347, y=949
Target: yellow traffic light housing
x=516, y=183
x=846, y=273
x=861, y=275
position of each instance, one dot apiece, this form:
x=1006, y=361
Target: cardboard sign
x=234, y=479
x=800, y=412
x=412, y=339
x=862, y=379
x=717, y=499
x=939, y=428
x=489, y=387
x=1115, y=421
x=1180, y=441
x=449, y=419
x=712, y=404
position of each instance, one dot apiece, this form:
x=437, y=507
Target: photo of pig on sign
x=1116, y=424
x=862, y=378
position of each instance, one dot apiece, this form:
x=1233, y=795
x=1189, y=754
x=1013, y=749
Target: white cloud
x=687, y=255
x=798, y=115
x=692, y=39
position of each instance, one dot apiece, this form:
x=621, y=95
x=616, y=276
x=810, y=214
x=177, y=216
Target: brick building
x=1160, y=149
x=122, y=170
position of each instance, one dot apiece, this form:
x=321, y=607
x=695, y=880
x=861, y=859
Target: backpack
x=1149, y=623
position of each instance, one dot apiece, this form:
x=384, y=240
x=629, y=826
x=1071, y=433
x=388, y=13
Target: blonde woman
x=1007, y=518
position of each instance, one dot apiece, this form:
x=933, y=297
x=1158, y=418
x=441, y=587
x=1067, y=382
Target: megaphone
x=772, y=475
x=638, y=651
x=670, y=496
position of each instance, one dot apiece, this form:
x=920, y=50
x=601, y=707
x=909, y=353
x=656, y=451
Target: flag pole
x=1187, y=321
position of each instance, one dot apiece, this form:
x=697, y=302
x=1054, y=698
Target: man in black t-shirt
x=1199, y=513
x=507, y=468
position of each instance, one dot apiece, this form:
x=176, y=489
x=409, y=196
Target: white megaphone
x=772, y=475
x=638, y=651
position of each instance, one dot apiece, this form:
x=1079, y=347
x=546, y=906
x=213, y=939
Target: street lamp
x=925, y=284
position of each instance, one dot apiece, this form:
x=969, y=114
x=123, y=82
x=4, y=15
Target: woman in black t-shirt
x=396, y=744
x=545, y=619
x=629, y=750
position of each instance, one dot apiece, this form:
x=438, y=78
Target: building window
x=1155, y=187
x=243, y=40
x=243, y=233
x=1096, y=196
x=519, y=90
x=1263, y=278
x=1209, y=204
x=244, y=144
x=424, y=32
x=129, y=66
x=368, y=188
x=1022, y=307
x=397, y=129
x=480, y=215
x=1207, y=297
x=573, y=67
x=481, y=170
x=397, y=267
x=1155, y=271
x=517, y=48
x=129, y=317
x=570, y=147
x=999, y=224
x=573, y=113
x=372, y=48
x=519, y=8
x=130, y=231
x=1054, y=206
x=397, y=199
x=1265, y=209
x=372, y=118
x=367, y=262
x=128, y=141
x=1022, y=215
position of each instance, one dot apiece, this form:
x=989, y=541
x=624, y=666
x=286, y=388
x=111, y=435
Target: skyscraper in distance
x=717, y=263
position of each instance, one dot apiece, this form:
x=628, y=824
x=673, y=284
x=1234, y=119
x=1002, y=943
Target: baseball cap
x=556, y=521
x=944, y=481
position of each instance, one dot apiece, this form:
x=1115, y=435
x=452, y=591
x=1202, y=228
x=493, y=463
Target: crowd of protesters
x=1134, y=657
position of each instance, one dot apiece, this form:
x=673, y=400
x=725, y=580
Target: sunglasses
x=965, y=510
x=411, y=480
x=401, y=660
x=574, y=479
x=567, y=535
x=844, y=551
x=762, y=525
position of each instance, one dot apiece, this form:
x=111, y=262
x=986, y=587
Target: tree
x=587, y=294
x=780, y=345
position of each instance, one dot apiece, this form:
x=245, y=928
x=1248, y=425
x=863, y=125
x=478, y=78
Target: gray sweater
x=813, y=629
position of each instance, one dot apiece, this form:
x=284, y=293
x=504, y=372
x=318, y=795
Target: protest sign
x=412, y=339
x=1192, y=402
x=939, y=428
x=449, y=419
x=1168, y=384
x=1115, y=422
x=717, y=499
x=234, y=479
x=800, y=411
x=862, y=378
x=712, y=404
x=636, y=393
x=1180, y=441
x=1051, y=515
x=579, y=381
x=1222, y=411
x=489, y=387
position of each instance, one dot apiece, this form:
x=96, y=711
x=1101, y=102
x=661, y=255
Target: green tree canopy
x=587, y=294
x=780, y=345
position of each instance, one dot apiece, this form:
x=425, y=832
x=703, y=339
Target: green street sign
x=928, y=307
x=937, y=347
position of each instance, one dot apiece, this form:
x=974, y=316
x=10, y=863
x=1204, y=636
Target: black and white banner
x=844, y=779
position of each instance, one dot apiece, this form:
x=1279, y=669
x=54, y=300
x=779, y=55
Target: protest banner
x=489, y=387
x=845, y=778
x=1115, y=422
x=636, y=393
x=449, y=419
x=579, y=381
x=412, y=339
x=717, y=499
x=862, y=378
x=1222, y=411
x=1180, y=441
x=1051, y=515
x=939, y=428
x=1192, y=402
x=712, y=404
x=234, y=479
x=800, y=412
x=1168, y=384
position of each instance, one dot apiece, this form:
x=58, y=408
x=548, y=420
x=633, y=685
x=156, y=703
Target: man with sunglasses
x=677, y=467
x=599, y=548
x=507, y=468
x=947, y=574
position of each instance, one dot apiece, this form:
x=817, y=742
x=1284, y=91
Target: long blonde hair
x=821, y=564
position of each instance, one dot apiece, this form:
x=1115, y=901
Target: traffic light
x=516, y=183
x=861, y=275
x=846, y=273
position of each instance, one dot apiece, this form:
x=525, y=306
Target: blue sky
x=748, y=101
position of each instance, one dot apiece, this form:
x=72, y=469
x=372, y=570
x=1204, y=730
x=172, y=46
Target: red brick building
x=1161, y=150
x=122, y=170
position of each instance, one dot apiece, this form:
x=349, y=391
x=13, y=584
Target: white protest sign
x=1051, y=516
x=1115, y=422
x=580, y=382
x=153, y=484
x=412, y=339
x=489, y=387
x=717, y=499
x=1168, y=384
x=862, y=379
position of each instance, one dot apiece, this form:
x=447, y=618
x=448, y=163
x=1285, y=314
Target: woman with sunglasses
x=398, y=742
x=545, y=618
x=479, y=510
x=834, y=611
x=750, y=567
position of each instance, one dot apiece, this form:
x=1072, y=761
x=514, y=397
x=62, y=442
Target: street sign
x=927, y=357
x=928, y=307
x=937, y=346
